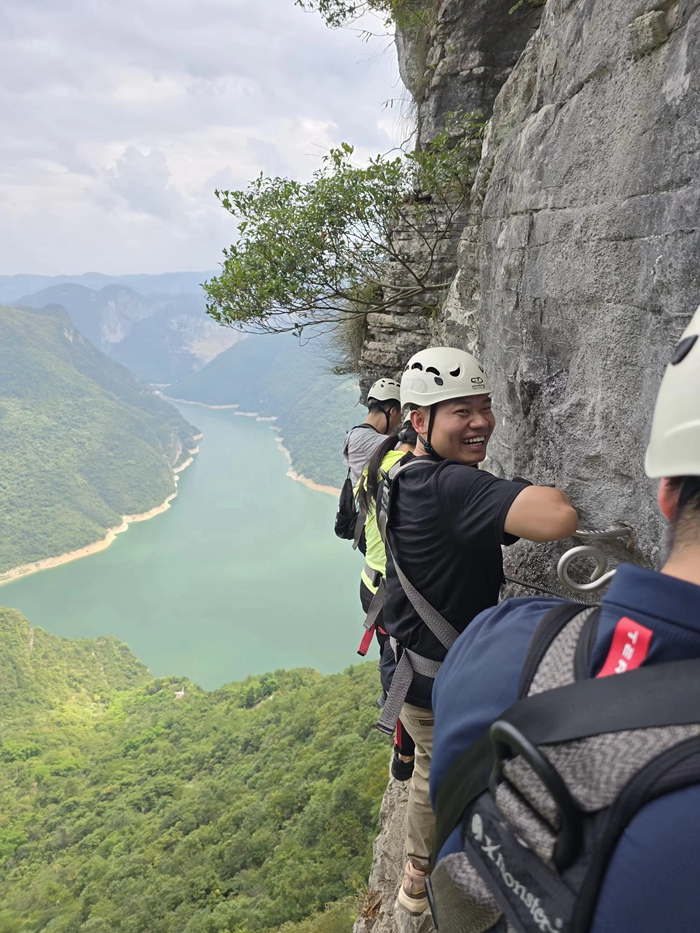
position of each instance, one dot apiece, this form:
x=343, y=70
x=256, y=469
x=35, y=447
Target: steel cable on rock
x=621, y=530
x=544, y=589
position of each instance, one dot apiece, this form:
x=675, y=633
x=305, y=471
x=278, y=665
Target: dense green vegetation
x=276, y=375
x=129, y=804
x=83, y=441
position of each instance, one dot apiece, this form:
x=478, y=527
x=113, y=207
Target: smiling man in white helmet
x=446, y=523
x=639, y=786
x=383, y=417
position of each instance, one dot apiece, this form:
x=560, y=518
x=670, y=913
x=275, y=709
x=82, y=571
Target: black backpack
x=545, y=793
x=346, y=516
x=349, y=520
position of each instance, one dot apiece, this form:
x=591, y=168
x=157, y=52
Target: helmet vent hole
x=417, y=366
x=683, y=349
x=456, y=372
x=438, y=380
x=431, y=369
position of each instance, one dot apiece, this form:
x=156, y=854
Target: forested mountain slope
x=83, y=441
x=276, y=375
x=129, y=804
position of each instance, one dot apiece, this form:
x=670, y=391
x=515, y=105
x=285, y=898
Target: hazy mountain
x=166, y=338
x=159, y=337
x=276, y=375
x=171, y=283
x=84, y=442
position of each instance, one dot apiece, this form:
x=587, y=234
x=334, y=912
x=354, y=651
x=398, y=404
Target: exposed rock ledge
x=380, y=913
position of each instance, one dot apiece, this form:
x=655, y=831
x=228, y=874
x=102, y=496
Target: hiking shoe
x=401, y=770
x=413, y=897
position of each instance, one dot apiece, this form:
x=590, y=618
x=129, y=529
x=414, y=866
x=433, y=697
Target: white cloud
x=143, y=181
x=119, y=120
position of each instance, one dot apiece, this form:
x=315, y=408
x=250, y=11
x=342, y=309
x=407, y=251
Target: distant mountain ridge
x=84, y=442
x=160, y=337
x=166, y=339
x=13, y=287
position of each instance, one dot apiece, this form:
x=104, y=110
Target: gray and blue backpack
x=545, y=793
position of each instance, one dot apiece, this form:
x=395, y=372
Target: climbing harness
x=409, y=663
x=370, y=623
x=544, y=794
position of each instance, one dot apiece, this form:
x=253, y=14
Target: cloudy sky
x=120, y=118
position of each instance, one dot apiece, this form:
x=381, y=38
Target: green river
x=243, y=574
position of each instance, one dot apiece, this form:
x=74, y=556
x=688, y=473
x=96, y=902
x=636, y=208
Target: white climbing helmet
x=385, y=390
x=442, y=373
x=674, y=446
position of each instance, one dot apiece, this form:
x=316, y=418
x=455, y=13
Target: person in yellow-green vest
x=389, y=452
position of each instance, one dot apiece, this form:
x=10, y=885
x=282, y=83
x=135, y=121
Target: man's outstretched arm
x=541, y=513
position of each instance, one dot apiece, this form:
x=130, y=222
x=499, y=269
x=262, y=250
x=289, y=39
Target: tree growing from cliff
x=343, y=12
x=352, y=240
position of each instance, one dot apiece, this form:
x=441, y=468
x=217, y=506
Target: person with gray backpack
x=360, y=443
x=383, y=417
x=566, y=761
x=444, y=523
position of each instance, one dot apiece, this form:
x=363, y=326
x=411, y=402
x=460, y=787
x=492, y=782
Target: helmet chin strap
x=425, y=443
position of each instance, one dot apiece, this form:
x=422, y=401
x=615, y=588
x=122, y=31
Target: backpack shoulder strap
x=658, y=695
x=360, y=523
x=445, y=633
x=674, y=769
x=549, y=627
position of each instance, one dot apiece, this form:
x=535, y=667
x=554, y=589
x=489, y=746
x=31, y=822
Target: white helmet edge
x=674, y=444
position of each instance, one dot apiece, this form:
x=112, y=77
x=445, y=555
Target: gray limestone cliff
x=578, y=266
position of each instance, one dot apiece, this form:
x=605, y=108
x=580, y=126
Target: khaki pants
x=420, y=822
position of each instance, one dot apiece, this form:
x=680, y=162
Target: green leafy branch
x=338, y=13
x=336, y=246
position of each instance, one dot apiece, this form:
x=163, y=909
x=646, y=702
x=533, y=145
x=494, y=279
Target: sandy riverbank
x=299, y=478
x=26, y=569
x=243, y=414
x=184, y=401
x=291, y=472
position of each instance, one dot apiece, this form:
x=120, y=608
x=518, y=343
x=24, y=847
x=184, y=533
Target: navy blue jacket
x=651, y=883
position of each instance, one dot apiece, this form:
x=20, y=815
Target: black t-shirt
x=446, y=530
